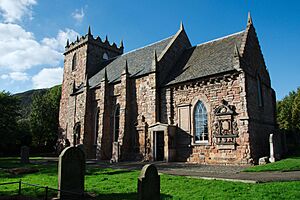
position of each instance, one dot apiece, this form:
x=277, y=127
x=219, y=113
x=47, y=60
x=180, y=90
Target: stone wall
x=228, y=87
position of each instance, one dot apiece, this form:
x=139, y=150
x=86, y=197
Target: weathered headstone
x=272, y=158
x=149, y=183
x=71, y=170
x=24, y=154
x=263, y=160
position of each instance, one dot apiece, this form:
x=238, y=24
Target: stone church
x=168, y=101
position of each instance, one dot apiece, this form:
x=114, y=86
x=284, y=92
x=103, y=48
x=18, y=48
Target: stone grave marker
x=149, y=183
x=272, y=158
x=24, y=154
x=71, y=171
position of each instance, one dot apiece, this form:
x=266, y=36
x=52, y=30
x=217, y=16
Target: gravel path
x=215, y=172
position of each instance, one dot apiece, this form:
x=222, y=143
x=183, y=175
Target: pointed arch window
x=116, y=123
x=105, y=56
x=200, y=123
x=74, y=62
x=96, y=126
x=259, y=92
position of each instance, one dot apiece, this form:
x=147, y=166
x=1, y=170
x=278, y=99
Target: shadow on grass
x=126, y=196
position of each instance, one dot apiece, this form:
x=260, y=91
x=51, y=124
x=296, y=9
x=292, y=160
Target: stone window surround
x=97, y=114
x=205, y=101
x=117, y=106
x=74, y=62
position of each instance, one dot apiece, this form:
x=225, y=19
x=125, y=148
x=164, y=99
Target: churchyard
x=109, y=183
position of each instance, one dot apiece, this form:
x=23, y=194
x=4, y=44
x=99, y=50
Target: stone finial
x=106, y=38
x=181, y=26
x=154, y=61
x=125, y=71
x=89, y=31
x=77, y=39
x=236, y=51
x=68, y=43
x=105, y=75
x=249, y=20
x=121, y=44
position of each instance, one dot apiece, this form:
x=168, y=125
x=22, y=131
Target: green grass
x=289, y=164
x=107, y=183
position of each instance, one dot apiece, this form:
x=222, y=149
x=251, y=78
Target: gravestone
x=272, y=158
x=24, y=154
x=149, y=183
x=71, y=170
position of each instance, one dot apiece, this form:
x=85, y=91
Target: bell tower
x=82, y=59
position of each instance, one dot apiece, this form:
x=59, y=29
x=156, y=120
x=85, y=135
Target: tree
x=288, y=112
x=44, y=117
x=9, y=111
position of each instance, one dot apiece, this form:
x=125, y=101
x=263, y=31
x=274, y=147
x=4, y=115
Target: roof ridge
x=147, y=45
x=221, y=38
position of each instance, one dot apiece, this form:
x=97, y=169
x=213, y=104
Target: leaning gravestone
x=149, y=183
x=71, y=170
x=24, y=154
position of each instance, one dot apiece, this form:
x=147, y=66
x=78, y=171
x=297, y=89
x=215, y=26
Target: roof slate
x=139, y=63
x=206, y=59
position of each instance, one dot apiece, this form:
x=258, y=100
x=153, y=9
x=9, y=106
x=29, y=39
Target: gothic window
x=74, y=62
x=105, y=56
x=96, y=126
x=200, y=123
x=76, y=133
x=116, y=123
x=259, y=91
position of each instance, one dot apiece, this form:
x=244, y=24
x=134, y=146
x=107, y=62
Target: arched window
x=105, y=56
x=116, y=123
x=96, y=125
x=74, y=62
x=200, y=123
x=76, y=134
x=259, y=92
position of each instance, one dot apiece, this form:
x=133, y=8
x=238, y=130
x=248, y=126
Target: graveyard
x=112, y=183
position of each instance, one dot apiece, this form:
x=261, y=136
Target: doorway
x=159, y=145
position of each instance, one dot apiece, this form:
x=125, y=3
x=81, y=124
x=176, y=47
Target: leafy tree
x=9, y=111
x=44, y=117
x=288, y=112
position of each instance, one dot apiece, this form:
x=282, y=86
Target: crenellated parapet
x=89, y=39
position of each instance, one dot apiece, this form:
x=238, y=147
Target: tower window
x=74, y=62
x=105, y=56
x=200, y=123
x=259, y=92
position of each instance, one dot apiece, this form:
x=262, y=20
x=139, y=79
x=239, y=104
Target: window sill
x=201, y=143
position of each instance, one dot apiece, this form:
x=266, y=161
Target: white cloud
x=19, y=76
x=4, y=76
x=78, y=15
x=20, y=51
x=48, y=77
x=59, y=42
x=14, y=10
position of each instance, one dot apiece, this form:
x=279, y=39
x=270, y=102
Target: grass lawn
x=288, y=164
x=108, y=183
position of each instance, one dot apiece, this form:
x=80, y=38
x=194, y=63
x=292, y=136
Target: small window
x=200, y=123
x=74, y=62
x=116, y=123
x=105, y=56
x=259, y=92
x=96, y=126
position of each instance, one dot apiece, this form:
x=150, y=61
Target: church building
x=168, y=101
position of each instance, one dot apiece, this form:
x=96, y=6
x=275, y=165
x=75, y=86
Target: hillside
x=26, y=99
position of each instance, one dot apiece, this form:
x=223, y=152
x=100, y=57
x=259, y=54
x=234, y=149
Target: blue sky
x=33, y=33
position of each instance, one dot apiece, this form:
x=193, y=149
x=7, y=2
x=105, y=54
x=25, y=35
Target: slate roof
x=139, y=63
x=206, y=59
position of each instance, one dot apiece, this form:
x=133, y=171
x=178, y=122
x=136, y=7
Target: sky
x=33, y=33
